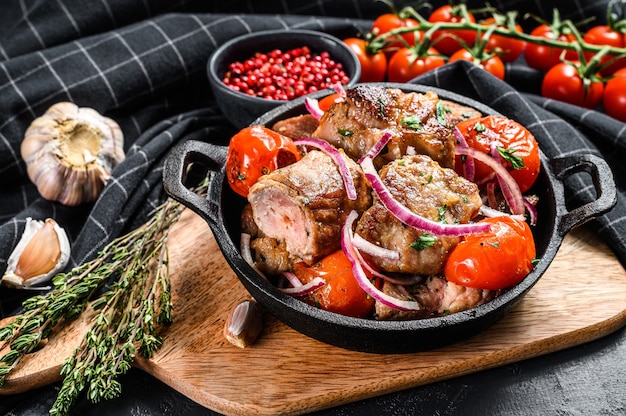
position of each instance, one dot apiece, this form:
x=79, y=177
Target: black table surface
x=585, y=380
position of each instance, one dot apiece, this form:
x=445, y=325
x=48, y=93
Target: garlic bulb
x=43, y=251
x=70, y=153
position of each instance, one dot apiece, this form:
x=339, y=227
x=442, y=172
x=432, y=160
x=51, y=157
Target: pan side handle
x=603, y=183
x=176, y=168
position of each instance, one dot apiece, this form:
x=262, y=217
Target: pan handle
x=603, y=183
x=177, y=166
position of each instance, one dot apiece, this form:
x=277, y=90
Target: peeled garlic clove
x=43, y=251
x=244, y=324
x=70, y=153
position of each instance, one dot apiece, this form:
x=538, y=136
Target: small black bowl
x=241, y=109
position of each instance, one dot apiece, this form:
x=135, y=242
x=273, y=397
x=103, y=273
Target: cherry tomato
x=605, y=35
x=614, y=99
x=513, y=138
x=510, y=48
x=327, y=101
x=373, y=62
x=390, y=21
x=444, y=40
x=494, y=259
x=341, y=293
x=563, y=82
x=255, y=151
x=405, y=65
x=545, y=57
x=491, y=64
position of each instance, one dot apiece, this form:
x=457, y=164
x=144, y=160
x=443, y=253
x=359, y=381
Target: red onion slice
x=301, y=290
x=338, y=87
x=510, y=188
x=469, y=167
x=361, y=277
x=408, y=217
x=373, y=250
x=331, y=151
x=313, y=107
x=532, y=211
x=378, y=146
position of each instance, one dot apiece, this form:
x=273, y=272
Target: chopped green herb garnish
x=412, y=122
x=440, y=111
x=345, y=133
x=480, y=127
x=381, y=107
x=442, y=213
x=425, y=240
x=508, y=155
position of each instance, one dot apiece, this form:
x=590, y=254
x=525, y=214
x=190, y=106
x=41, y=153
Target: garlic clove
x=70, y=152
x=244, y=324
x=42, y=252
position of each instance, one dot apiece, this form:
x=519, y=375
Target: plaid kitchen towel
x=143, y=64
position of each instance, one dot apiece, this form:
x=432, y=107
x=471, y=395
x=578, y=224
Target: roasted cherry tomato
x=544, y=57
x=509, y=48
x=489, y=63
x=341, y=293
x=327, y=101
x=518, y=147
x=564, y=83
x=445, y=41
x=257, y=151
x=614, y=99
x=390, y=21
x=494, y=259
x=606, y=35
x=373, y=62
x=405, y=65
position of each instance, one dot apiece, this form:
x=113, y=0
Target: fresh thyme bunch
x=129, y=312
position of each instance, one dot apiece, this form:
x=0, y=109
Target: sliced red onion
x=338, y=87
x=469, y=167
x=374, y=250
x=378, y=146
x=488, y=212
x=491, y=194
x=292, y=278
x=404, y=281
x=408, y=217
x=331, y=151
x=510, y=188
x=313, y=107
x=532, y=211
x=302, y=290
x=246, y=253
x=360, y=276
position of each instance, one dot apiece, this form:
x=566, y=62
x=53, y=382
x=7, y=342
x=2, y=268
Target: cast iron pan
x=221, y=210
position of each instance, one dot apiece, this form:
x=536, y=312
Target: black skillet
x=221, y=210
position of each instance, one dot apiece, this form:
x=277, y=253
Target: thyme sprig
x=129, y=313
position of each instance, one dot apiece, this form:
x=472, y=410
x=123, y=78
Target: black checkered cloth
x=142, y=63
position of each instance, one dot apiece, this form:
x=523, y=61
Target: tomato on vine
x=606, y=35
x=255, y=151
x=614, y=98
x=408, y=63
x=490, y=63
x=445, y=41
x=508, y=48
x=494, y=259
x=387, y=22
x=372, y=59
x=570, y=82
x=544, y=57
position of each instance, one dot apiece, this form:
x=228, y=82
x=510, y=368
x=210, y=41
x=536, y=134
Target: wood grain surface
x=580, y=298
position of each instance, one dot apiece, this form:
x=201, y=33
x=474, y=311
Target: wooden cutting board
x=288, y=373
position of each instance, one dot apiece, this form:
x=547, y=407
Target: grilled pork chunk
x=427, y=189
x=297, y=127
x=305, y=205
x=418, y=121
x=436, y=296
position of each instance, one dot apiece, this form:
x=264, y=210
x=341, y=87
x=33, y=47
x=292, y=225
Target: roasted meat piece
x=305, y=204
x=429, y=190
x=436, y=296
x=297, y=127
x=417, y=121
